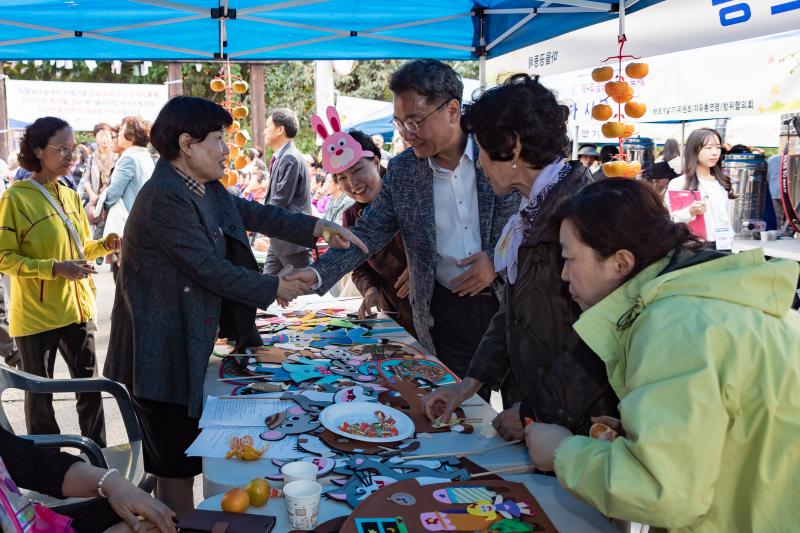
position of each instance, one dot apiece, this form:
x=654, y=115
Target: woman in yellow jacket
x=703, y=351
x=45, y=248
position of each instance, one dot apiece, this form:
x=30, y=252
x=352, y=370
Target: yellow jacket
x=32, y=238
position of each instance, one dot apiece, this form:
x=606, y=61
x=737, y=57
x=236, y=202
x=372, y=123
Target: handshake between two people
x=296, y=282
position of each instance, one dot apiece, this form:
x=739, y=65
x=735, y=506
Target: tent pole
x=683, y=132
x=482, y=48
x=257, y=103
x=174, y=79
x=574, y=155
x=4, y=122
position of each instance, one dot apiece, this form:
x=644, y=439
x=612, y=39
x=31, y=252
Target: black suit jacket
x=289, y=188
x=174, y=276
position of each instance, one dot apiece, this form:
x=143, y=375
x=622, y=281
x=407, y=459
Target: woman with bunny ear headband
x=383, y=278
x=340, y=150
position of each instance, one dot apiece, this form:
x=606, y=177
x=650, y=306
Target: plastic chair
x=127, y=458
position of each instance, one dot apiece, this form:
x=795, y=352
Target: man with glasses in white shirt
x=439, y=200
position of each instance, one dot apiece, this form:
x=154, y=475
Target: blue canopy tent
x=254, y=30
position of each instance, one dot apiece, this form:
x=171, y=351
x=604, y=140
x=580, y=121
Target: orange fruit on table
x=240, y=87
x=602, y=112
x=617, y=88
x=637, y=70
x=258, y=490
x=235, y=501
x=601, y=74
x=217, y=85
x=627, y=97
x=635, y=109
x=240, y=111
x=629, y=129
x=613, y=129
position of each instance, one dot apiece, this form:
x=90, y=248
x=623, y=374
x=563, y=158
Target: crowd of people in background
x=580, y=298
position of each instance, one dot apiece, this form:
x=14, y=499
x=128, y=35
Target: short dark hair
x=37, y=135
x=287, y=118
x=186, y=114
x=521, y=108
x=137, y=130
x=625, y=214
x=607, y=153
x=434, y=80
x=366, y=143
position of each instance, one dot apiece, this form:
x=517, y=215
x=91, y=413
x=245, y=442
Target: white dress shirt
x=455, y=202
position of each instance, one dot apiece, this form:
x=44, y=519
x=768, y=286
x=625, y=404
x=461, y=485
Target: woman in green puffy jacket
x=703, y=350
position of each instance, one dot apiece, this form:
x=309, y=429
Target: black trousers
x=38, y=351
x=459, y=325
x=275, y=263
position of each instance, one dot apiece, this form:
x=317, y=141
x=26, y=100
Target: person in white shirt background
x=702, y=165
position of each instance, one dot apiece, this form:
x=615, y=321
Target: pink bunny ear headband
x=340, y=150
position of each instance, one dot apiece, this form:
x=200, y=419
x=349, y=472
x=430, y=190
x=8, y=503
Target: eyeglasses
x=72, y=152
x=414, y=125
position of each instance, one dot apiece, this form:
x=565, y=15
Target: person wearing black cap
x=659, y=176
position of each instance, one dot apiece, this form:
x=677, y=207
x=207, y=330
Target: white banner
x=83, y=104
x=666, y=27
x=754, y=77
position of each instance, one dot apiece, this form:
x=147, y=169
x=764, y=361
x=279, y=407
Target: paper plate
x=356, y=412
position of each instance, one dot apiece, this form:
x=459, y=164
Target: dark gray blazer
x=289, y=188
x=405, y=204
x=174, y=276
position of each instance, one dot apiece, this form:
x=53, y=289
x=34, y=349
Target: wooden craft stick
x=462, y=454
x=519, y=469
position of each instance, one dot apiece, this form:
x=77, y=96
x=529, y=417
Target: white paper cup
x=302, y=503
x=299, y=471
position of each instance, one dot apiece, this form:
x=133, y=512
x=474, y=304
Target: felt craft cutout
x=411, y=369
x=340, y=150
x=324, y=466
x=475, y=517
x=313, y=444
x=390, y=350
x=368, y=476
x=430, y=514
x=381, y=525
x=345, y=445
x=293, y=421
x=236, y=367
x=324, y=371
x=407, y=397
x=463, y=494
x=316, y=401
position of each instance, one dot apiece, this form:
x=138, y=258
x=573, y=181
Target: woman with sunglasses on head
x=45, y=248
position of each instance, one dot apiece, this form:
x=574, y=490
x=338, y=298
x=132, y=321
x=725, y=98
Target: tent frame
x=224, y=13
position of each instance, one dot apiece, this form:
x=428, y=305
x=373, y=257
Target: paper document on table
x=215, y=442
x=245, y=412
